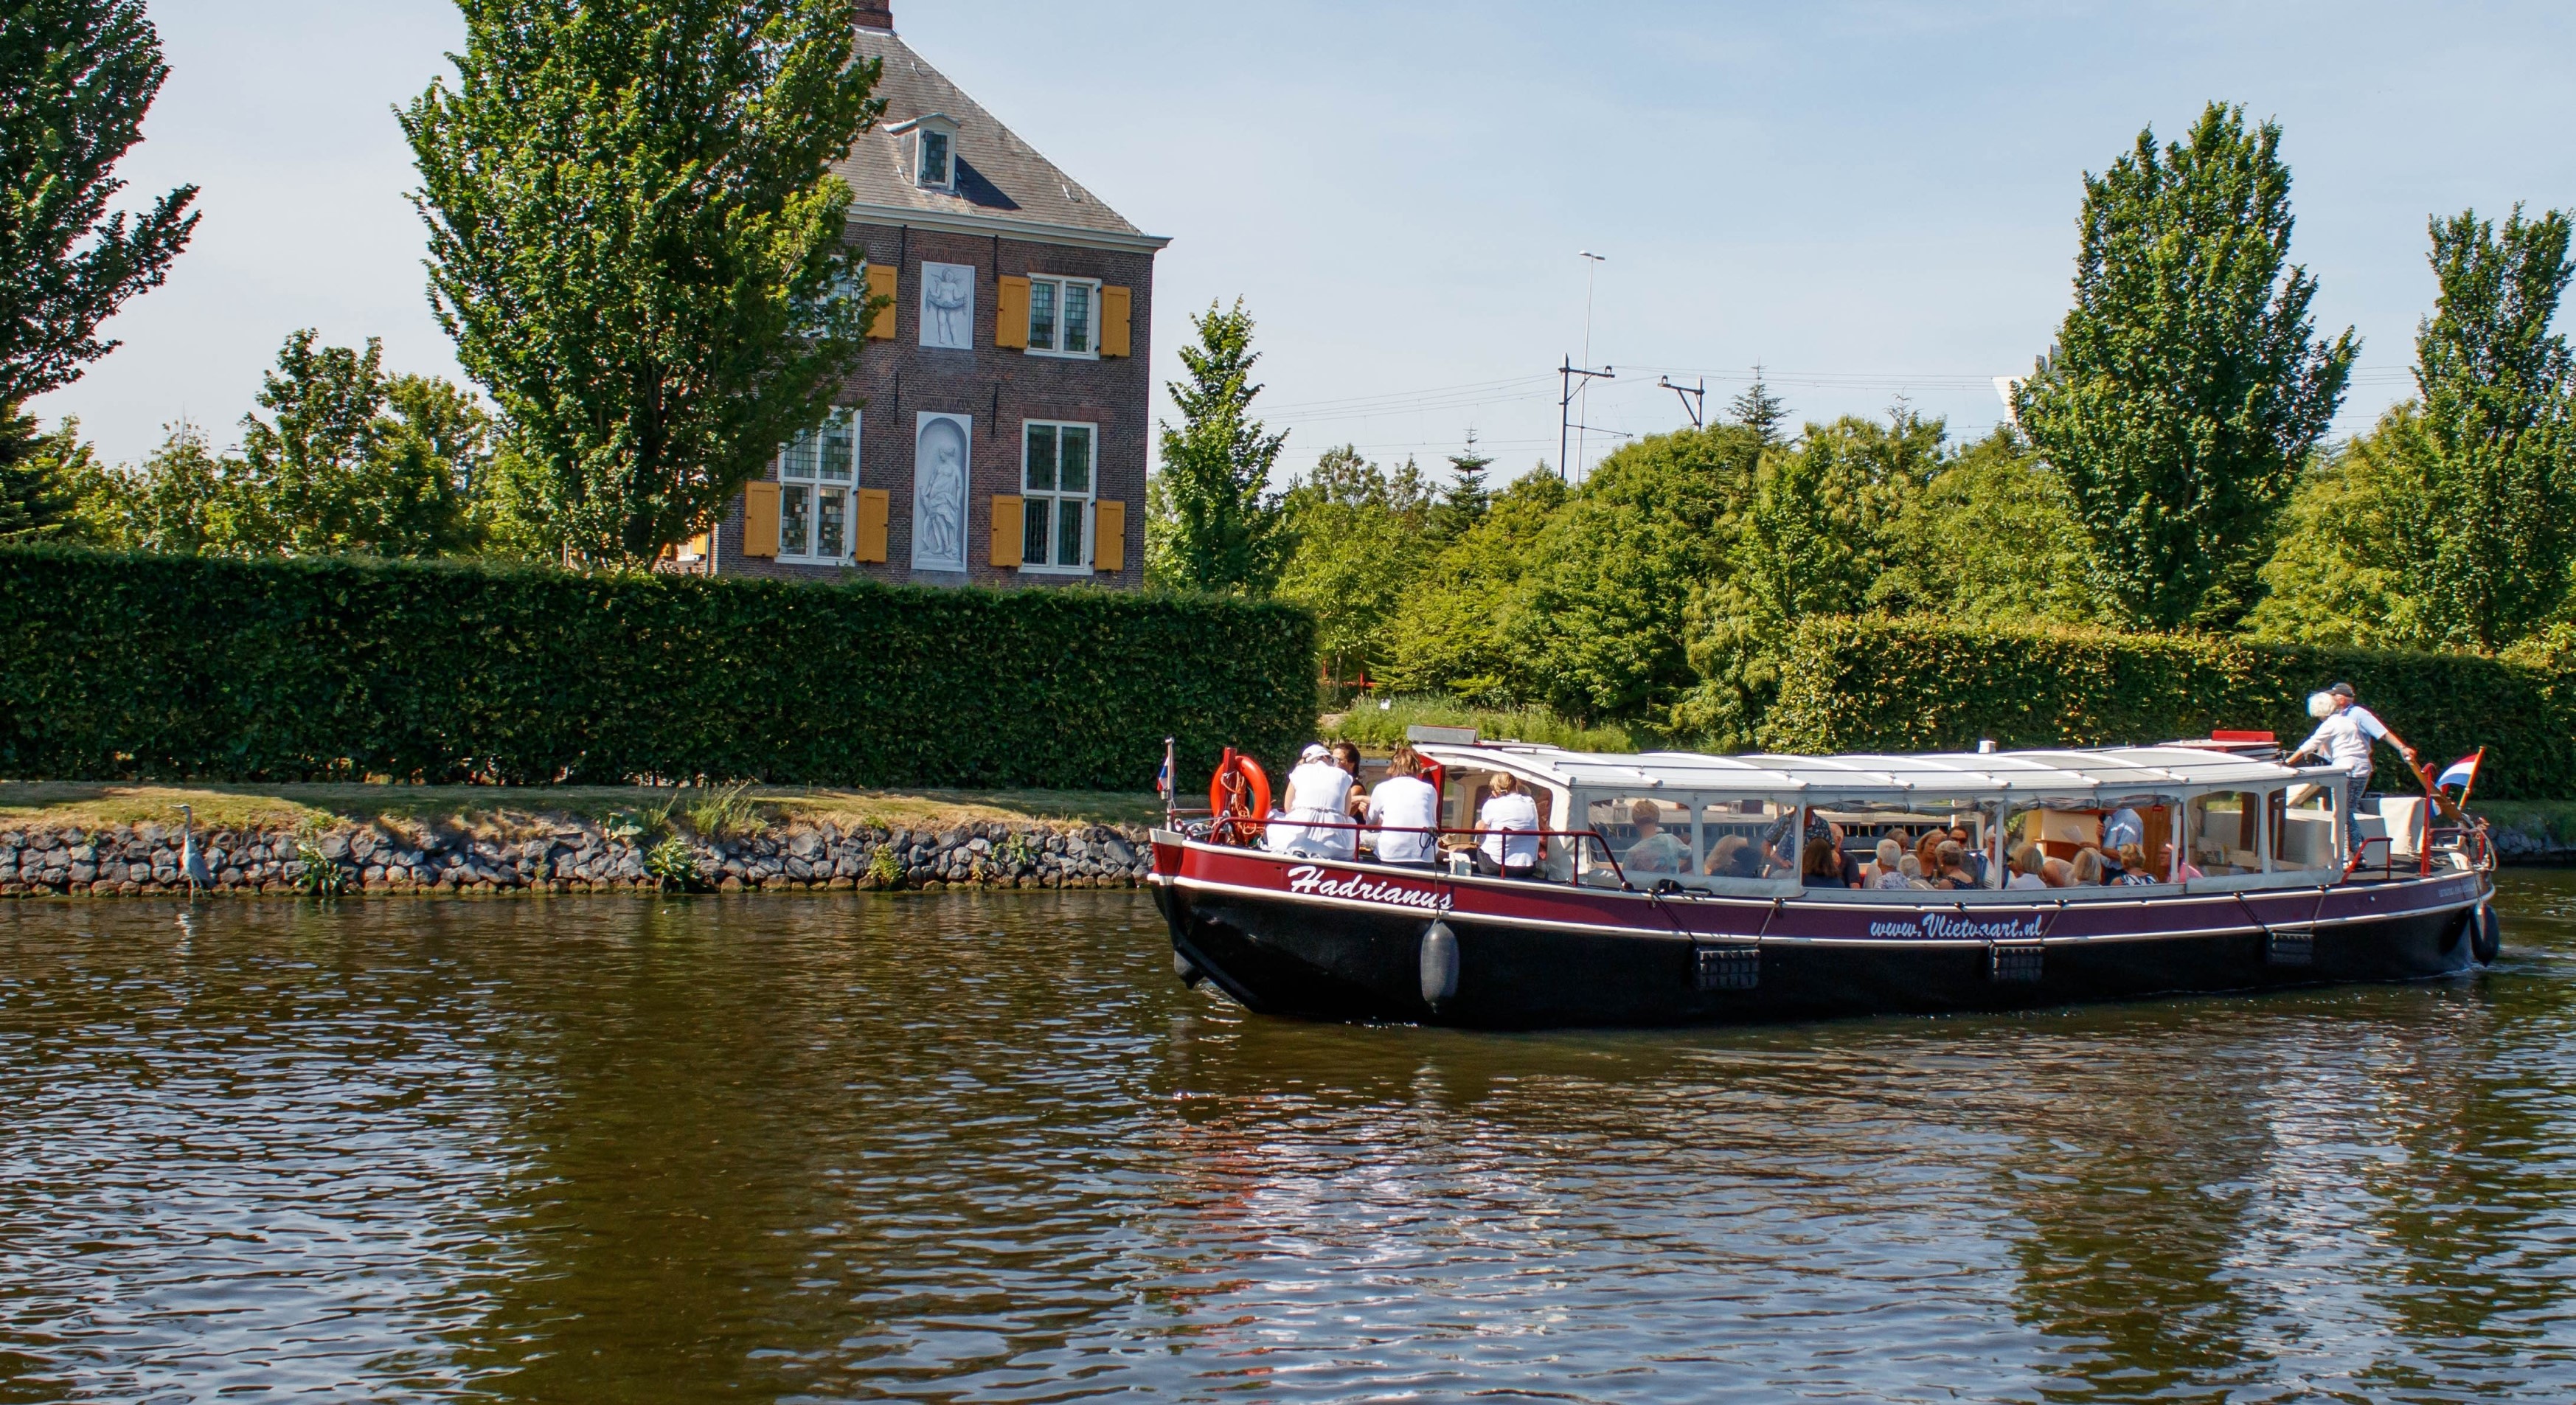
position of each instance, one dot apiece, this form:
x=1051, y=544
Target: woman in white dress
x=1313, y=820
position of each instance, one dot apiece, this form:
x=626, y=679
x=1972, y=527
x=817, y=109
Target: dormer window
x=930, y=149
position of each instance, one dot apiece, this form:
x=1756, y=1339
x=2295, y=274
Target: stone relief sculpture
x=939, y=492
x=948, y=305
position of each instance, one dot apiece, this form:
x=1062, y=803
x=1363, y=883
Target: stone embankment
x=572, y=857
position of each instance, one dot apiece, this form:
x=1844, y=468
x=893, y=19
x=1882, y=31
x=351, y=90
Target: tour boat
x=2252, y=887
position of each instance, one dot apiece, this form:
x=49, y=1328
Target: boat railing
x=1247, y=832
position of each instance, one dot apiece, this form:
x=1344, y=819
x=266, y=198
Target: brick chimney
x=877, y=14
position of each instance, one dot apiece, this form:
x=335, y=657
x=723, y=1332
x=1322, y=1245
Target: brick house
x=996, y=430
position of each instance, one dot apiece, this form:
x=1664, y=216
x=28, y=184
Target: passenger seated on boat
x=1889, y=871
x=2026, y=863
x=1734, y=856
x=1927, y=856
x=1406, y=811
x=1910, y=869
x=1821, y=868
x=1655, y=851
x=2057, y=873
x=2187, y=872
x=2133, y=867
x=1347, y=756
x=1843, y=858
x=1510, y=847
x=2088, y=868
x=1313, y=820
x=1976, y=857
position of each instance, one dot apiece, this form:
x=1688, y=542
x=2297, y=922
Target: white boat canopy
x=2068, y=774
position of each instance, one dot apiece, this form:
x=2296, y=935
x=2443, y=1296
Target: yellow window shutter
x=1109, y=534
x=1113, y=321
x=1006, y=530
x=872, y=525
x=1011, y=312
x=696, y=546
x=760, y=519
x=881, y=285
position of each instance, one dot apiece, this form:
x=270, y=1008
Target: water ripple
x=982, y=1148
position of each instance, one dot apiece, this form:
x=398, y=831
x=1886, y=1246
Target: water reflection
x=974, y=1147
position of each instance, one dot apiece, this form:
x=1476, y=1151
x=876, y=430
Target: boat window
x=2303, y=828
x=2131, y=834
x=2224, y=835
x=1651, y=835
x=1747, y=839
x=1911, y=823
x=1463, y=794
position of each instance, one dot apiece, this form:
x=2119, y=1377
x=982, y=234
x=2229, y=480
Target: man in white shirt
x=1406, y=811
x=2344, y=737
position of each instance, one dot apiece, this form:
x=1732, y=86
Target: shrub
x=1367, y=725
x=1909, y=684
x=170, y=666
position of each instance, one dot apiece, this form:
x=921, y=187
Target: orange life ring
x=1239, y=797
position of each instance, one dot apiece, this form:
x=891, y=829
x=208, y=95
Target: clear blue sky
x=1872, y=199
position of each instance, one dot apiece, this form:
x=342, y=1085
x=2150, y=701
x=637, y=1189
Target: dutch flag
x=2460, y=773
x=1163, y=778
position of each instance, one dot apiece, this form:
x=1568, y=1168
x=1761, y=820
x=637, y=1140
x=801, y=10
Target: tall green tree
x=350, y=459
x=2184, y=392
x=638, y=245
x=1817, y=534
x=1211, y=521
x=1598, y=619
x=2497, y=459
x=76, y=77
x=2340, y=574
x=1359, y=534
x=1453, y=630
x=1992, y=538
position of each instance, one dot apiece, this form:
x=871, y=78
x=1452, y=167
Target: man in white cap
x=1317, y=808
x=2345, y=738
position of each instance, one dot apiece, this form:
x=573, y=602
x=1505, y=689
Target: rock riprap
x=572, y=857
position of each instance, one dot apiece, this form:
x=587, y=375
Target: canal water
x=983, y=1148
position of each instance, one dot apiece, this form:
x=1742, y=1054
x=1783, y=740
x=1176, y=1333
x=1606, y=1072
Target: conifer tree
x=2184, y=393
x=1211, y=522
x=637, y=242
x=1757, y=409
x=1465, y=501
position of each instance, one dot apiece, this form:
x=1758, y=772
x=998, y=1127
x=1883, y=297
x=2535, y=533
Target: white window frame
x=815, y=486
x=1060, y=283
x=921, y=140
x=1087, y=500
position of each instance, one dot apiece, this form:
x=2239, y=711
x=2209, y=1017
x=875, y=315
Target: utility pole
x=1694, y=398
x=1566, y=374
x=1591, y=265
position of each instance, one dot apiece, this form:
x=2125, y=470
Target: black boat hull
x=1278, y=953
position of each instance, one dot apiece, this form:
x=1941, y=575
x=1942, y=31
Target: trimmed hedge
x=1909, y=684
x=172, y=667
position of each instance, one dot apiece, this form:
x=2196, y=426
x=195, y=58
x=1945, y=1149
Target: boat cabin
x=2208, y=820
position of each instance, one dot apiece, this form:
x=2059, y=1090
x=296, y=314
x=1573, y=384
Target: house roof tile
x=1001, y=180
